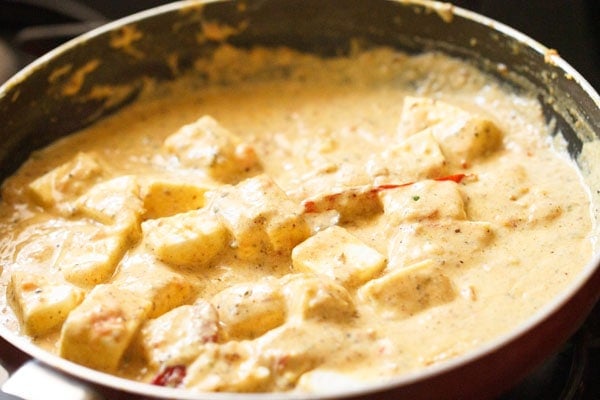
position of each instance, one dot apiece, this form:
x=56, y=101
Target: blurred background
x=29, y=28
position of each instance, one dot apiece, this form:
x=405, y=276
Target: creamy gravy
x=391, y=249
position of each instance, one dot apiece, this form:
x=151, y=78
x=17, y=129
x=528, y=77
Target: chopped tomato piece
x=171, y=376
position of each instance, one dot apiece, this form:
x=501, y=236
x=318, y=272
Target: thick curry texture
x=287, y=222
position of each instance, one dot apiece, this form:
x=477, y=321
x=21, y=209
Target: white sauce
x=498, y=245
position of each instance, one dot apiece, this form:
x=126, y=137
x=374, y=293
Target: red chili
x=455, y=178
x=171, y=376
x=379, y=188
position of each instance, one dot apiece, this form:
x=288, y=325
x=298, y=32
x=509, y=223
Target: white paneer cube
x=294, y=349
x=66, y=182
x=178, y=336
x=154, y=281
x=207, y=145
x=97, y=332
x=416, y=157
x=167, y=196
x=260, y=216
x=90, y=254
x=404, y=292
x=248, y=310
x=439, y=239
x=229, y=367
x=464, y=140
x=318, y=298
x=338, y=254
x=428, y=199
x=114, y=202
x=193, y=238
x=462, y=135
x=41, y=305
x=419, y=113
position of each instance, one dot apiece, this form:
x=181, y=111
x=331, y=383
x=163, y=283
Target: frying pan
x=57, y=95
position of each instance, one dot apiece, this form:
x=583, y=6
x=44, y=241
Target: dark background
x=570, y=26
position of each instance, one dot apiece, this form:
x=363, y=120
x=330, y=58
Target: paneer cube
x=419, y=113
x=193, y=238
x=270, y=363
x=428, y=199
x=152, y=280
x=167, y=196
x=248, y=310
x=41, y=305
x=90, y=254
x=462, y=135
x=97, y=332
x=445, y=239
x=114, y=202
x=404, y=292
x=416, y=157
x=294, y=349
x=260, y=216
x=229, y=367
x=207, y=145
x=318, y=298
x=464, y=140
x=66, y=182
x=178, y=336
x=338, y=254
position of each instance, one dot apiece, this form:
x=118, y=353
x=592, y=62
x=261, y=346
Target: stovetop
x=29, y=28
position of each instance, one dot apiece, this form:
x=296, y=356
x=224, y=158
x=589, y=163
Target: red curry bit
x=171, y=376
x=310, y=206
x=454, y=178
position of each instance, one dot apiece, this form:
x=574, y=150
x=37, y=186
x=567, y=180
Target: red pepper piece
x=171, y=376
x=455, y=178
